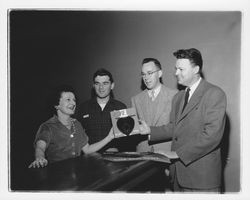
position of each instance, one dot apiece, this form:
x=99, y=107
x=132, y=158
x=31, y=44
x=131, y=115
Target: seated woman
x=61, y=136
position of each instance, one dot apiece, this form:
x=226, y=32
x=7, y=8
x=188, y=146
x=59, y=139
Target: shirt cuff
x=149, y=137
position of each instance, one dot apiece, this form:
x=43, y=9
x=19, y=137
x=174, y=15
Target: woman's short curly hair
x=57, y=94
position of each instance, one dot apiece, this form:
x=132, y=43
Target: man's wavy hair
x=193, y=55
x=103, y=72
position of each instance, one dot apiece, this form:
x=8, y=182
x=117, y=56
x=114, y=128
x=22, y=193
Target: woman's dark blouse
x=59, y=143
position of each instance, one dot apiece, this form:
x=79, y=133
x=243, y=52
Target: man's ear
x=197, y=69
x=160, y=73
x=112, y=85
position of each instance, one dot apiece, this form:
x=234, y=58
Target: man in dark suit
x=196, y=127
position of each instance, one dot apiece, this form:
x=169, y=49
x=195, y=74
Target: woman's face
x=67, y=103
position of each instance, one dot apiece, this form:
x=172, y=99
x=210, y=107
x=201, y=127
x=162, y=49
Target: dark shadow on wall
x=143, y=86
x=24, y=123
x=225, y=150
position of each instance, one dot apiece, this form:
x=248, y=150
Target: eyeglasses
x=149, y=73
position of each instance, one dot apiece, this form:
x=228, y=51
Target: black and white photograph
x=114, y=101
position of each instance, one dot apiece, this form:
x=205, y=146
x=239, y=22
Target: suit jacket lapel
x=195, y=99
x=144, y=105
x=179, y=105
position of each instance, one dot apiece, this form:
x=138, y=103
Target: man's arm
x=160, y=133
x=156, y=133
x=90, y=148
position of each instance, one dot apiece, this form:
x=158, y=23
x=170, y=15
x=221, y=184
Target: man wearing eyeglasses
x=94, y=114
x=153, y=104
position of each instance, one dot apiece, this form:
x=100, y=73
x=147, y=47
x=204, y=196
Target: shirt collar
x=193, y=87
x=96, y=104
x=156, y=91
x=94, y=100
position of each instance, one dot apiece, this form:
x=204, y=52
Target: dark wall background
x=48, y=48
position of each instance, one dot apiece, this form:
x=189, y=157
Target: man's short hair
x=103, y=72
x=154, y=60
x=193, y=55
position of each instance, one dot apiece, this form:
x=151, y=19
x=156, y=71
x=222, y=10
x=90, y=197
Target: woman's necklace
x=74, y=128
x=70, y=125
